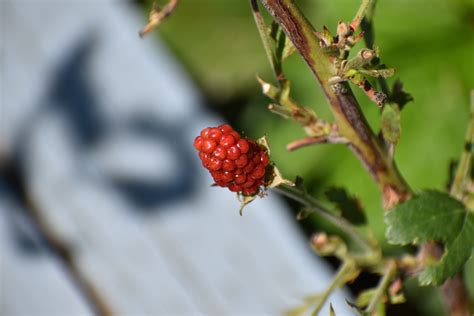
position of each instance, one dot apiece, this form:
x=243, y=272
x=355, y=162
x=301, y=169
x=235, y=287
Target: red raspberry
x=233, y=153
x=228, y=165
x=208, y=145
x=243, y=146
x=220, y=153
x=233, y=161
x=227, y=140
x=214, y=164
x=227, y=176
x=215, y=134
x=242, y=161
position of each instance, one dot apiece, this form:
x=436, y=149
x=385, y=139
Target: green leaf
x=434, y=216
x=350, y=207
x=390, y=124
x=284, y=48
x=289, y=49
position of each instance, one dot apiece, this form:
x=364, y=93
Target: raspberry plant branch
x=350, y=120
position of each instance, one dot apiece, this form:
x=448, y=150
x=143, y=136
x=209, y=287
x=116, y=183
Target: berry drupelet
x=233, y=161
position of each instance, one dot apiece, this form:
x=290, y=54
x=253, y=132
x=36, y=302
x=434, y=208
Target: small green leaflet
x=390, y=123
x=434, y=216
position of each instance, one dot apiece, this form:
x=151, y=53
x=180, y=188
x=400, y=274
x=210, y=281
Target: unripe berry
x=234, y=162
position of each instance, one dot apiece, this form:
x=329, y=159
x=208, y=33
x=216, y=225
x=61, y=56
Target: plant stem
x=346, y=267
x=361, y=13
x=347, y=113
x=391, y=269
x=365, y=252
x=462, y=172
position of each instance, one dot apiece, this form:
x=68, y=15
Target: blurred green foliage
x=430, y=43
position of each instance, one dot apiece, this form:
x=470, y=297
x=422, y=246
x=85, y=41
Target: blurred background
x=103, y=201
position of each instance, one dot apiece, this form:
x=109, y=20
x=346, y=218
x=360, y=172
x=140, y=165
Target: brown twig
x=157, y=15
x=58, y=247
x=63, y=252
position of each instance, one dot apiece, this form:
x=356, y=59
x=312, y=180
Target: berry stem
x=364, y=252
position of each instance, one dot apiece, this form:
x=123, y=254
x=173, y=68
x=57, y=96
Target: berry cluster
x=234, y=162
